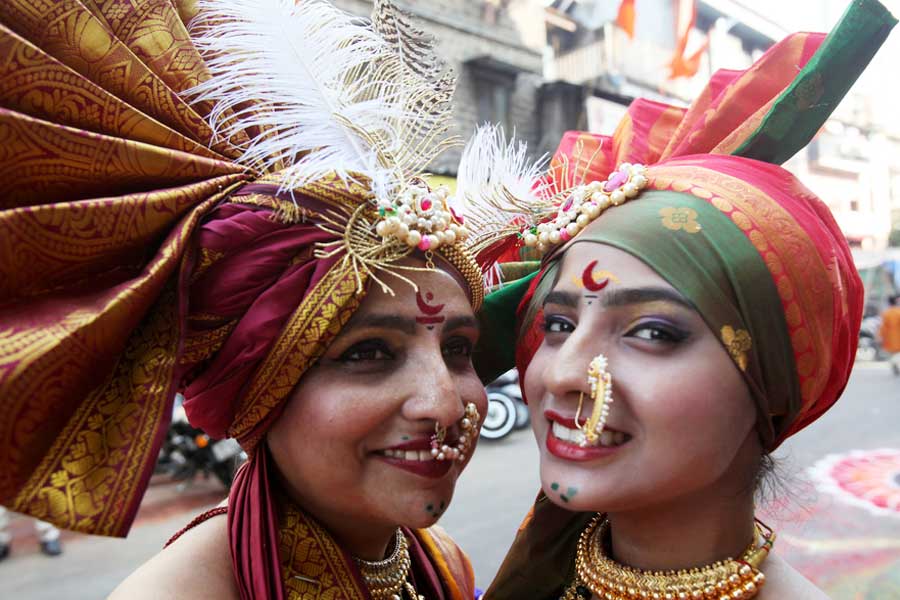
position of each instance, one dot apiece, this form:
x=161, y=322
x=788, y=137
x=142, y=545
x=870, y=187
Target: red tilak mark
x=587, y=278
x=428, y=310
x=429, y=320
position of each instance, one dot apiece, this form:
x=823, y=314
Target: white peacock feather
x=330, y=92
x=501, y=189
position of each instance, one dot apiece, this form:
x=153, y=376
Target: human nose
x=566, y=374
x=436, y=395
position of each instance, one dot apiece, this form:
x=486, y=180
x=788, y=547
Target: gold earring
x=601, y=393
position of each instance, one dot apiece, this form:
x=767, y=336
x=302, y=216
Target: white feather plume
x=317, y=91
x=501, y=189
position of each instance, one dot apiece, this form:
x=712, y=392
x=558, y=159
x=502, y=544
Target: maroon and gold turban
x=142, y=254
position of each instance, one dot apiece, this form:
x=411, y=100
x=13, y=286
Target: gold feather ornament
x=365, y=103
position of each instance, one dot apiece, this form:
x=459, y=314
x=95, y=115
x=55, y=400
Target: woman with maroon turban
x=236, y=212
x=687, y=317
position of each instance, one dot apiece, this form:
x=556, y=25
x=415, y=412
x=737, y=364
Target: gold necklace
x=386, y=579
x=598, y=575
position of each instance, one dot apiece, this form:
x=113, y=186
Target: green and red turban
x=759, y=255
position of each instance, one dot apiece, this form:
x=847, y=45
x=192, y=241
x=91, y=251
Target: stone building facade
x=499, y=75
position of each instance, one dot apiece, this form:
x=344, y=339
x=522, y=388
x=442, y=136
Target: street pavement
x=835, y=507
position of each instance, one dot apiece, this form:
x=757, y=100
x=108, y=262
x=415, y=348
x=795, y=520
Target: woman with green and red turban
x=686, y=318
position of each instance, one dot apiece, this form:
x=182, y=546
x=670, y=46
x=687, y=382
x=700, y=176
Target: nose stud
x=600, y=382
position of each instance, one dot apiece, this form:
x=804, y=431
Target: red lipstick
x=432, y=469
x=567, y=450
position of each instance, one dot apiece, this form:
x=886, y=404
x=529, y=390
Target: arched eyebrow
x=619, y=296
x=462, y=322
x=405, y=325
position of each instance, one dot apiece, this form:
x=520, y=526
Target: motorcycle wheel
x=523, y=418
x=500, y=418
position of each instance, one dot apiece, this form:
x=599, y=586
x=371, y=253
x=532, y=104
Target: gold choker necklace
x=598, y=575
x=387, y=579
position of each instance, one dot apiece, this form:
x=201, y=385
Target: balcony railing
x=616, y=57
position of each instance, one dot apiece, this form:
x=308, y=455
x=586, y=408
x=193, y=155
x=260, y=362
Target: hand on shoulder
x=197, y=564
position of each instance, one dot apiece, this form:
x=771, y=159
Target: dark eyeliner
x=549, y=321
x=371, y=346
x=458, y=347
x=675, y=334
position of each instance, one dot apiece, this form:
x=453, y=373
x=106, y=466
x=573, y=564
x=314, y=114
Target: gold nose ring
x=600, y=382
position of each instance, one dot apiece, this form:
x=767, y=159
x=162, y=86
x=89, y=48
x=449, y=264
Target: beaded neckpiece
x=387, y=579
x=599, y=576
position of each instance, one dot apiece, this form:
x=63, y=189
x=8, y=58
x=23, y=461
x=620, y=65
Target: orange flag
x=625, y=18
x=681, y=65
x=688, y=67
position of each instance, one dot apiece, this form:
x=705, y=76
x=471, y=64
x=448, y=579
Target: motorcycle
x=506, y=411
x=187, y=451
x=869, y=348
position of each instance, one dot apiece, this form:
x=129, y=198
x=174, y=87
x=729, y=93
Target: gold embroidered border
x=773, y=231
x=91, y=479
x=202, y=344
x=318, y=319
x=313, y=566
x=93, y=475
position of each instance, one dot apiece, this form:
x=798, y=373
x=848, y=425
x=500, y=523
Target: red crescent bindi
x=426, y=308
x=587, y=278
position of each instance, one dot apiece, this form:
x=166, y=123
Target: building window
x=494, y=102
x=494, y=83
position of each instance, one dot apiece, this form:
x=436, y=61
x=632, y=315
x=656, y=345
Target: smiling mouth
x=608, y=439
x=408, y=455
x=417, y=462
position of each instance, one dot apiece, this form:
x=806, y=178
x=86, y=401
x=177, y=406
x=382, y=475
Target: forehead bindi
x=430, y=310
x=593, y=279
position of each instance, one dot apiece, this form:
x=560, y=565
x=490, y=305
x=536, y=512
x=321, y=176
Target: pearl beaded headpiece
x=509, y=195
x=583, y=204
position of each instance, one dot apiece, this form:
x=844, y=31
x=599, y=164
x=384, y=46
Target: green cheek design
x=571, y=492
x=436, y=511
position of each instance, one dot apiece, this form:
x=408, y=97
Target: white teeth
x=412, y=455
x=568, y=435
x=575, y=436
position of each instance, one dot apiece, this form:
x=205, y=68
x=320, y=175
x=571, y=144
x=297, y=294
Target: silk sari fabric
x=757, y=254
x=137, y=259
